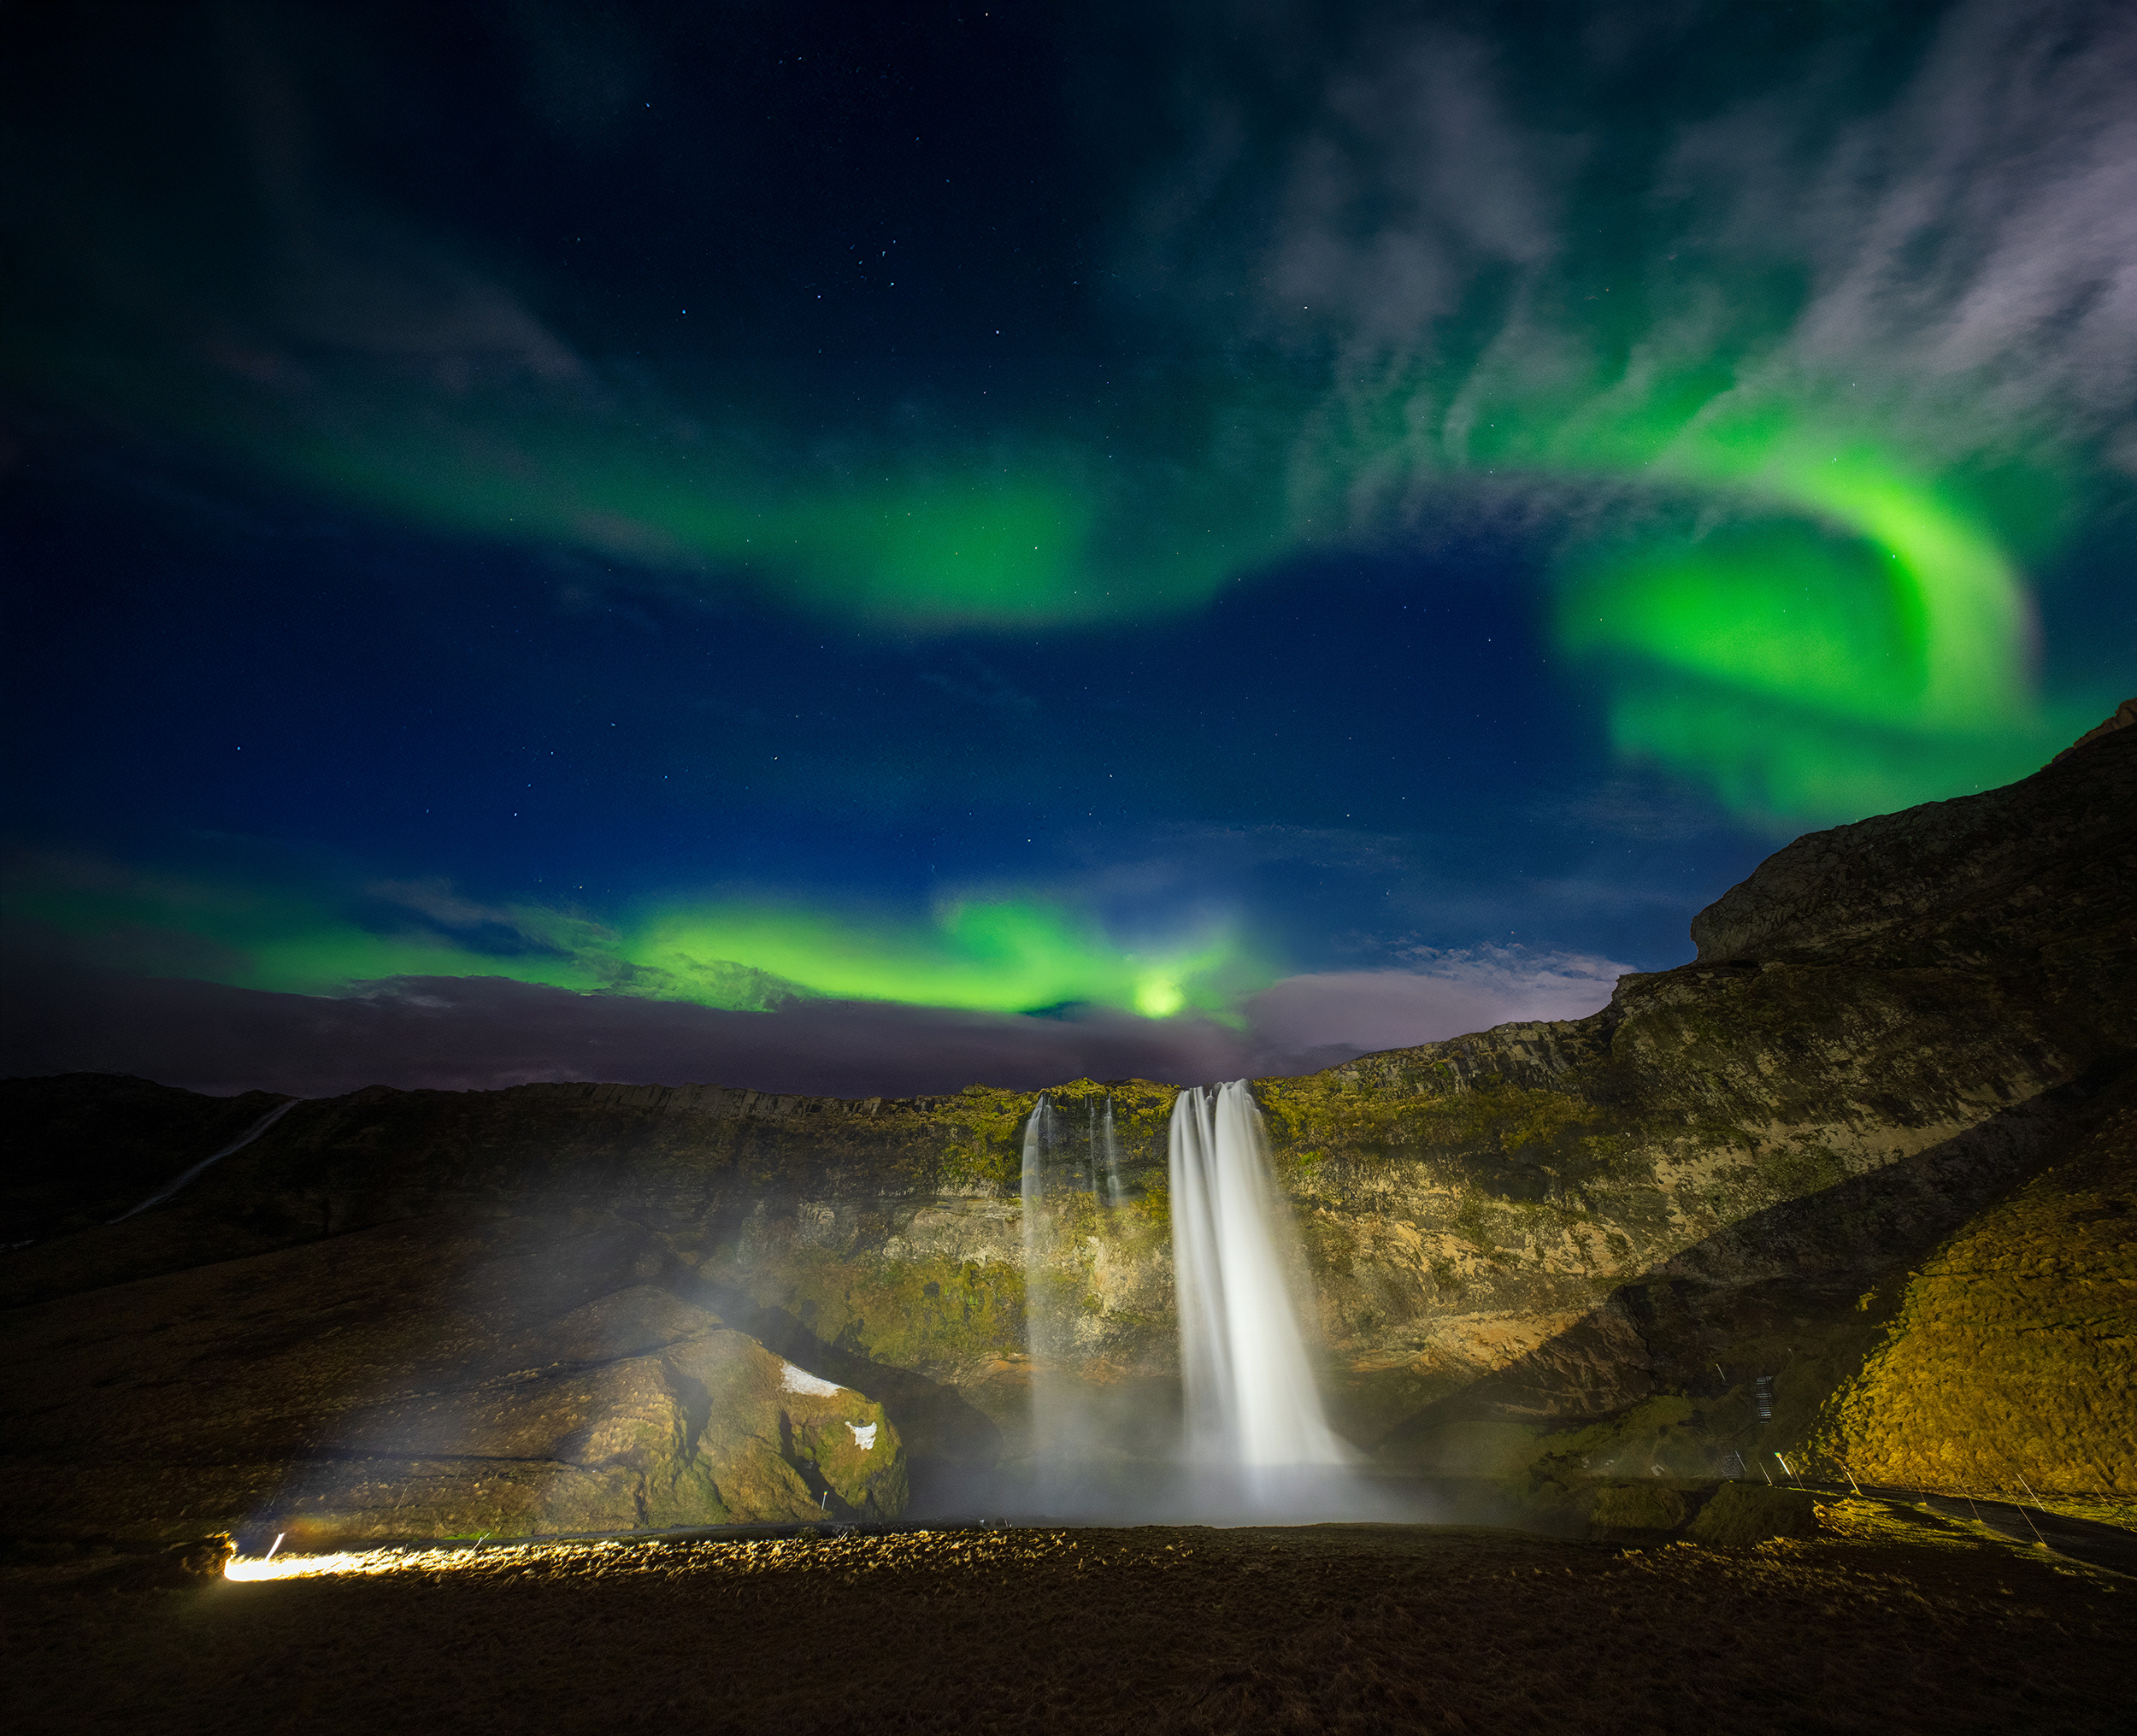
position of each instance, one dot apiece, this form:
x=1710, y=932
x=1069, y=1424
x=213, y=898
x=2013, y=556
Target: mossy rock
x=1637, y=1510
x=2007, y=1366
x=1740, y=1514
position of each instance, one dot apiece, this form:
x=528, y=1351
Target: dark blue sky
x=1087, y=532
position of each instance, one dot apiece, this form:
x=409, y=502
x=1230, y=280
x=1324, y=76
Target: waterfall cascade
x=1042, y=1323
x=1252, y=1403
x=1255, y=1444
x=1046, y=1326
x=1106, y=1148
x=235, y=1146
x=1073, y=1428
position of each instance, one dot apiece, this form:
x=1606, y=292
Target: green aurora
x=995, y=955
x=1799, y=570
x=1788, y=599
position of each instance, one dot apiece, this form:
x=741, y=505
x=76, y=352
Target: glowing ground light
x=369, y=1560
x=613, y=1555
x=273, y=1566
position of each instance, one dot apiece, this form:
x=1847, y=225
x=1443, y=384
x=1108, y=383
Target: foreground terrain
x=1889, y=1617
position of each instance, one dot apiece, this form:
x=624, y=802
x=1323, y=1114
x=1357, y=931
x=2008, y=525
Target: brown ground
x=1890, y=1620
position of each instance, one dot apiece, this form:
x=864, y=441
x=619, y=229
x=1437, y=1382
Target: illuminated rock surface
x=2014, y=1344
x=1542, y=1254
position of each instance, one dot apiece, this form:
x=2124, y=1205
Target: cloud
x=1784, y=374
x=1978, y=236
x=463, y=1033
x=980, y=684
x=1434, y=222
x=466, y=1033
x=1629, y=808
x=1444, y=995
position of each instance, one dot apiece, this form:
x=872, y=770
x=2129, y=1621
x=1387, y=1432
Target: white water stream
x=1038, y=1136
x=1056, y=1438
x=1255, y=1444
x=1252, y=1403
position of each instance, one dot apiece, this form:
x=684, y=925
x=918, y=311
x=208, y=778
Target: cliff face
x=1634, y=1241
x=1889, y=1025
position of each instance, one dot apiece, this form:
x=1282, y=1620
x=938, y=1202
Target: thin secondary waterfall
x=1071, y=1162
x=1039, y=1324
x=1044, y=1328
x=1038, y=1135
x=1107, y=1147
x=1252, y=1403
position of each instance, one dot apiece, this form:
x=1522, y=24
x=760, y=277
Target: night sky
x=867, y=549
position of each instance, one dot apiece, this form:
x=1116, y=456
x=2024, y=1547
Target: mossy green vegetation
x=939, y=1282
x=979, y=1132
x=1486, y=1125
x=907, y=1313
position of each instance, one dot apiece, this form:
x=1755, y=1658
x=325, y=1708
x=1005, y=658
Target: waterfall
x=1045, y=1331
x=1106, y=1442
x=1251, y=1401
x=1039, y=1324
x=1109, y=1146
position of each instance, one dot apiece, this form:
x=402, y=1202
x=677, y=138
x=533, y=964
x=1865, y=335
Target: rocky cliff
x=1665, y=1237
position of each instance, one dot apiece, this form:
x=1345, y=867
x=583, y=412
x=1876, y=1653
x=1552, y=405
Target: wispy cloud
x=475, y=1033
x=973, y=682
x=1790, y=377
x=1973, y=237
x=1444, y=994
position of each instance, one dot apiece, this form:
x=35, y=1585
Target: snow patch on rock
x=793, y=1379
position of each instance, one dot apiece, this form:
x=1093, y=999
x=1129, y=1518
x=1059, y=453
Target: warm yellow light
x=369, y=1561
